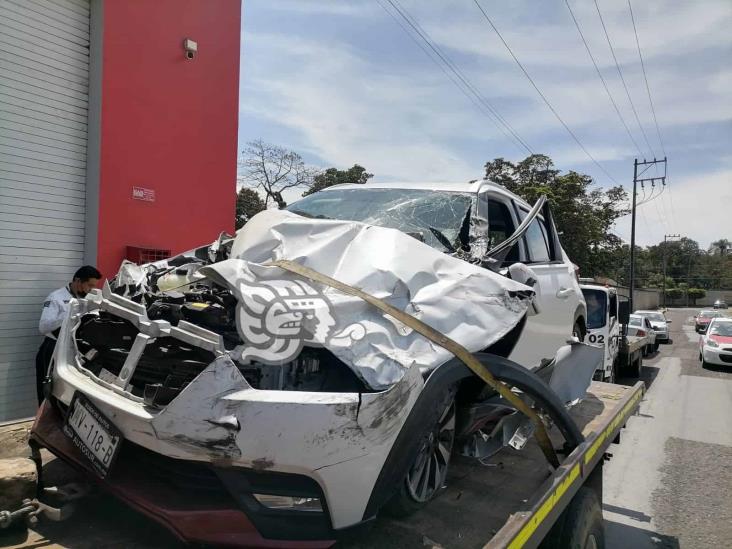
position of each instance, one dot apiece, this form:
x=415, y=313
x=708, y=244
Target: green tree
x=655, y=280
x=334, y=176
x=248, y=204
x=696, y=293
x=584, y=214
x=674, y=293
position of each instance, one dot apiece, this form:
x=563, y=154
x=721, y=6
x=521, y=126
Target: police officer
x=55, y=309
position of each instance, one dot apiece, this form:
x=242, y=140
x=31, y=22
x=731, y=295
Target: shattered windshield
x=438, y=218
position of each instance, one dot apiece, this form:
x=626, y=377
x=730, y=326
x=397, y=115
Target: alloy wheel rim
x=427, y=474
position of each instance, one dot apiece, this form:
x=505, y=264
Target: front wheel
x=428, y=472
x=578, y=331
x=610, y=378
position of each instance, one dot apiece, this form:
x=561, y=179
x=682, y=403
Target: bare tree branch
x=273, y=169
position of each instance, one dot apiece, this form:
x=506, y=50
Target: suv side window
x=500, y=227
x=536, y=239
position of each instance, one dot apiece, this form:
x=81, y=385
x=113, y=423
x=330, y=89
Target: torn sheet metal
x=574, y=366
x=279, y=312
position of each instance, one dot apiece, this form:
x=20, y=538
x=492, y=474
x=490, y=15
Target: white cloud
x=348, y=110
x=350, y=87
x=696, y=207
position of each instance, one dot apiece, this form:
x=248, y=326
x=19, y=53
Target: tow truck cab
x=605, y=312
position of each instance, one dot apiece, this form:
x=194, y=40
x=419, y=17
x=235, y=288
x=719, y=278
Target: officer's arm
x=51, y=318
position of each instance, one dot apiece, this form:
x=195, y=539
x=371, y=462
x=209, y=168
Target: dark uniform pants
x=43, y=359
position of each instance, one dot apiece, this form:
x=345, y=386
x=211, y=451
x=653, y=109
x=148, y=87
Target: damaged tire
x=428, y=470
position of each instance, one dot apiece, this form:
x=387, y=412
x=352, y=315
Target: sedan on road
x=640, y=326
x=715, y=346
x=659, y=323
x=701, y=321
x=720, y=304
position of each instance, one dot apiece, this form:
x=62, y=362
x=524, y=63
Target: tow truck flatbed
x=514, y=499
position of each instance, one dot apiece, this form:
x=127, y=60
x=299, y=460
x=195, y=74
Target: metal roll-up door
x=44, y=89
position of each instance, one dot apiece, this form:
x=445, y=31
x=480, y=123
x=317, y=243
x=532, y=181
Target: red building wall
x=168, y=124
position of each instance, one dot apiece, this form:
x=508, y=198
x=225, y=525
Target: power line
x=467, y=88
x=546, y=101
x=671, y=222
x=664, y=220
x=602, y=78
x=652, y=197
x=653, y=108
x=645, y=77
x=622, y=79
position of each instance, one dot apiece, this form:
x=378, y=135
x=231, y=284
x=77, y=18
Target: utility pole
x=665, y=237
x=646, y=164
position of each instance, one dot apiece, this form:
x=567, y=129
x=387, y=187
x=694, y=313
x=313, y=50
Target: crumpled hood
x=279, y=312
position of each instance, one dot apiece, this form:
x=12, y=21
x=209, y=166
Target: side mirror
x=624, y=312
x=669, y=321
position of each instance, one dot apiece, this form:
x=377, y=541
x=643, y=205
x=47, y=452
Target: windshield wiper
x=308, y=215
x=442, y=239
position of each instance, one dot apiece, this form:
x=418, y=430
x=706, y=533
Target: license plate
x=92, y=433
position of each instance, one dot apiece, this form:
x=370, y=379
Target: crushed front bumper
x=337, y=442
x=197, y=502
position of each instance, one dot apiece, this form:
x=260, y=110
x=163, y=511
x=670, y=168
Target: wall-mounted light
x=191, y=48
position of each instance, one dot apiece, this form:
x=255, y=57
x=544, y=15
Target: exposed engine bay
x=171, y=292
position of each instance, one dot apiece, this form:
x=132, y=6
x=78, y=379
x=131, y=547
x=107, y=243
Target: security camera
x=191, y=48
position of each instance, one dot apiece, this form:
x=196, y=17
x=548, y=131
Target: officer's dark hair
x=86, y=272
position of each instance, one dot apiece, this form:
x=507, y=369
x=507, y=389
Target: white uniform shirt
x=55, y=309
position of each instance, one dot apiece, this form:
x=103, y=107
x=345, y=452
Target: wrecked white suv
x=238, y=401
x=467, y=220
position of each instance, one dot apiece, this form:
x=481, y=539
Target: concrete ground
x=668, y=484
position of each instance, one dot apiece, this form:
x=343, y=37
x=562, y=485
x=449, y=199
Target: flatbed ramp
x=514, y=498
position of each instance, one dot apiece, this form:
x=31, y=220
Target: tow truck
x=513, y=500
x=607, y=321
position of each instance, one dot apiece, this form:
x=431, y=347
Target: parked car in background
x=640, y=326
x=715, y=345
x=720, y=304
x=701, y=320
x=659, y=323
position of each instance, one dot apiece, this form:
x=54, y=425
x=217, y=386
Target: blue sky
x=341, y=83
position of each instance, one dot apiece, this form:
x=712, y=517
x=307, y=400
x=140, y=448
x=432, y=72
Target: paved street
x=667, y=485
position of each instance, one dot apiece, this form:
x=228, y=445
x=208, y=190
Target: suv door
x=560, y=294
x=544, y=333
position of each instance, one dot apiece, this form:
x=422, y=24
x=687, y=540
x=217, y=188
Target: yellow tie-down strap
x=442, y=340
